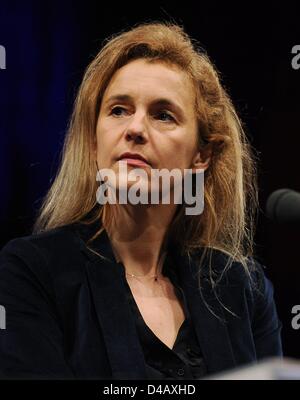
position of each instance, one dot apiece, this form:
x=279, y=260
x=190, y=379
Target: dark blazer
x=67, y=315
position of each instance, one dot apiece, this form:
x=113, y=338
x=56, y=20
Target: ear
x=200, y=161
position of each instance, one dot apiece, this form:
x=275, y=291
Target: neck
x=137, y=234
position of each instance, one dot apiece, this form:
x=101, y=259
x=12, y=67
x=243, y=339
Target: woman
x=142, y=291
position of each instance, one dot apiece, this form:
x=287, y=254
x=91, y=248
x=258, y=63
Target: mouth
x=134, y=159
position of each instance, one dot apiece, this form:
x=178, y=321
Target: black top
x=184, y=360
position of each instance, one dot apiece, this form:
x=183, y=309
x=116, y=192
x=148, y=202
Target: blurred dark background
x=49, y=44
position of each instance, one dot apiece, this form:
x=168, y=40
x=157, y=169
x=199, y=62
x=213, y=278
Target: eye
x=165, y=116
x=118, y=111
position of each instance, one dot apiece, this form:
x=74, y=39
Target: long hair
x=230, y=197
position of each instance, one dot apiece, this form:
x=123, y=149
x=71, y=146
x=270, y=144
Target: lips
x=133, y=156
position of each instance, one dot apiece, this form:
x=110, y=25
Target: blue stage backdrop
x=44, y=62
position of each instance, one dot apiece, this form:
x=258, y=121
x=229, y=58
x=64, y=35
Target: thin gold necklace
x=142, y=276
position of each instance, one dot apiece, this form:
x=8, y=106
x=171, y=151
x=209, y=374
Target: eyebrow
x=162, y=102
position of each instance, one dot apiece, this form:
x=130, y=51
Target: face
x=148, y=109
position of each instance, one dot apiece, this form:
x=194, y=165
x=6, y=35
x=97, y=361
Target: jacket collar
x=107, y=277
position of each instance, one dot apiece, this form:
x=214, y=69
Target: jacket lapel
x=113, y=312
x=211, y=330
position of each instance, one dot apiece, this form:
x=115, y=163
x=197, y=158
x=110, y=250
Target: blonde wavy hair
x=228, y=220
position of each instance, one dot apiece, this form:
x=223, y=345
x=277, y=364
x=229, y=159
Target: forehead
x=148, y=80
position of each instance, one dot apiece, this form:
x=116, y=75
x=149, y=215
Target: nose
x=136, y=129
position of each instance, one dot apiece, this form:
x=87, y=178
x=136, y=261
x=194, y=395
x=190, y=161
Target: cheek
x=179, y=152
x=108, y=130
x=173, y=158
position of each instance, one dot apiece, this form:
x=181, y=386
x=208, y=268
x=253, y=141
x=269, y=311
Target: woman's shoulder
x=40, y=242
x=230, y=277
x=50, y=249
x=40, y=262
x=240, y=285
x=222, y=266
x=249, y=277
